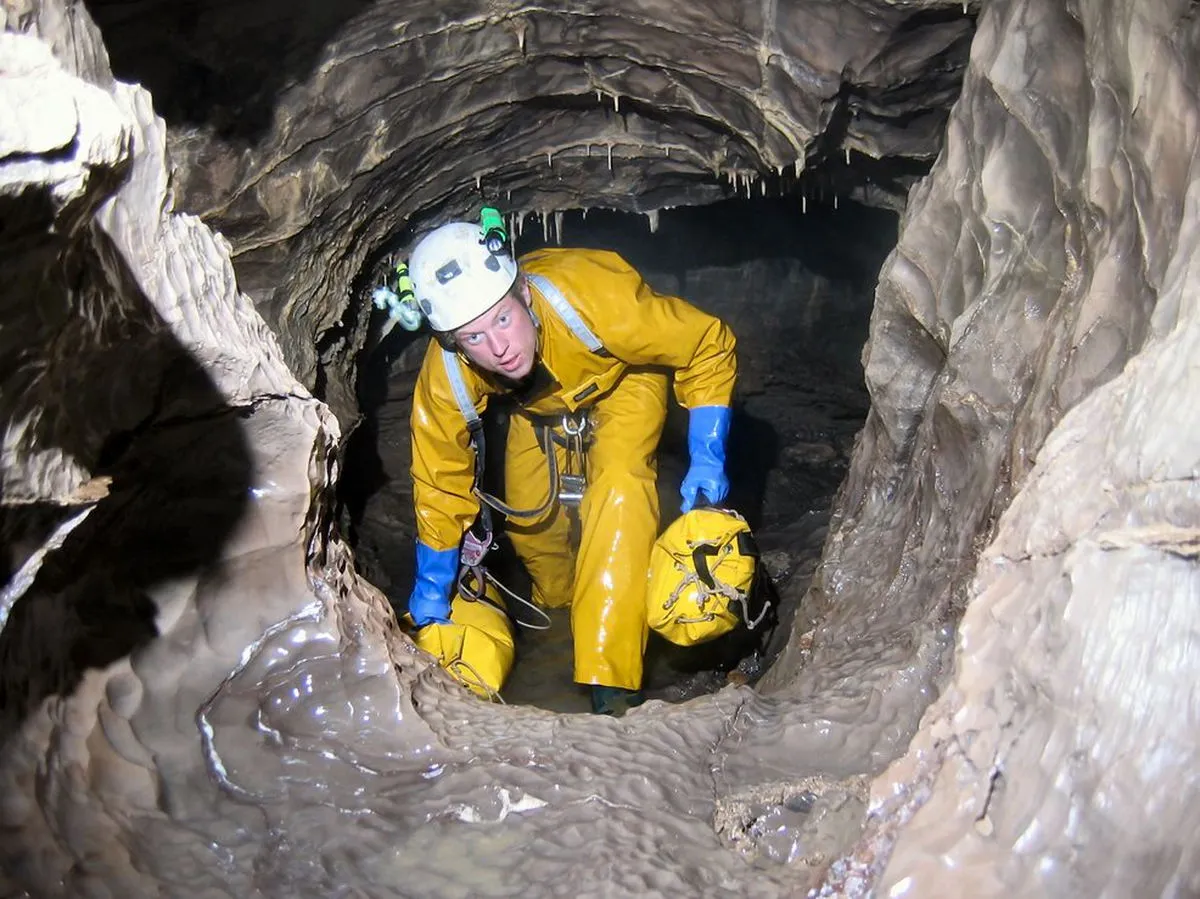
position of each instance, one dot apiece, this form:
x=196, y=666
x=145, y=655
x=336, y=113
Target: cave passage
x=989, y=688
x=795, y=280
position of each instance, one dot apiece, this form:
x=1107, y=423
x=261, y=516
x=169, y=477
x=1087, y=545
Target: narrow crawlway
x=989, y=688
x=797, y=290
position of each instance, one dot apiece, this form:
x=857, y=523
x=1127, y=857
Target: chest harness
x=566, y=486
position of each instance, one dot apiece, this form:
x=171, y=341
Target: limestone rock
x=201, y=696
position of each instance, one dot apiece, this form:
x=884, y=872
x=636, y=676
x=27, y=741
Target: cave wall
x=166, y=487
x=1074, y=282
x=1028, y=462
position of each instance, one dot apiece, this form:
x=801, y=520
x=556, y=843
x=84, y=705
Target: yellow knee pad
x=701, y=573
x=476, y=647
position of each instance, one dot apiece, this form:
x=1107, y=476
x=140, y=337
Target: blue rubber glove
x=436, y=572
x=708, y=428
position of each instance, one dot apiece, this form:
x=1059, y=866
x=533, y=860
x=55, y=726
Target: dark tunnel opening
x=796, y=284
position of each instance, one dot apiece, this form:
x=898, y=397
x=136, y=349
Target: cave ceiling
x=319, y=137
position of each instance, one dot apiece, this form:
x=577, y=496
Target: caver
x=587, y=351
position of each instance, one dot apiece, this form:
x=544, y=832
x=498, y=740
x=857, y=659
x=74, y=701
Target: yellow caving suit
x=645, y=334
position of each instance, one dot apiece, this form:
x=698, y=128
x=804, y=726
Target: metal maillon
x=576, y=437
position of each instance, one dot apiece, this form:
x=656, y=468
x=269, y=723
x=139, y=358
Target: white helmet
x=454, y=276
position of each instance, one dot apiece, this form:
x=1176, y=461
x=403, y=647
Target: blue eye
x=503, y=319
x=473, y=339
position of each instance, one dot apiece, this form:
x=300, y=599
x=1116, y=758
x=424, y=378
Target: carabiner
x=572, y=427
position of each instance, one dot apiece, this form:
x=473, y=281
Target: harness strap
x=462, y=398
x=459, y=386
x=562, y=306
x=487, y=500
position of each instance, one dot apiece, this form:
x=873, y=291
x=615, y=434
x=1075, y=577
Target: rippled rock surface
x=199, y=695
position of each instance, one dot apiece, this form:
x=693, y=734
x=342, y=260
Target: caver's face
x=504, y=339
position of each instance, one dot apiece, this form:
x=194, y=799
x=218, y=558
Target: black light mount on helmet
x=493, y=234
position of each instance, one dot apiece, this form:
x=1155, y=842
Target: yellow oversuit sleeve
x=443, y=461
x=642, y=327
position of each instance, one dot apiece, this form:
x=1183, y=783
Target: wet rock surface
x=808, y=823
x=200, y=696
x=365, y=122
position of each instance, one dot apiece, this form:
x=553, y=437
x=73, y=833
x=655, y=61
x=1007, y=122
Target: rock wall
x=201, y=698
x=1058, y=762
x=165, y=481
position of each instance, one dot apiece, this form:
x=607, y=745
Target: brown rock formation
x=199, y=695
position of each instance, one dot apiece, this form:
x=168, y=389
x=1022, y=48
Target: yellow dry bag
x=701, y=574
x=476, y=647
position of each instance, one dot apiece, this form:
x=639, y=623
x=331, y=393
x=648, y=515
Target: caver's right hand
x=437, y=569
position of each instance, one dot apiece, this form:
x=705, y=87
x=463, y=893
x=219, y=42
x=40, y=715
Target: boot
x=614, y=700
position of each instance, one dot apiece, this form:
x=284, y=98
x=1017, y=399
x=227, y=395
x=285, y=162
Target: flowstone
x=199, y=694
